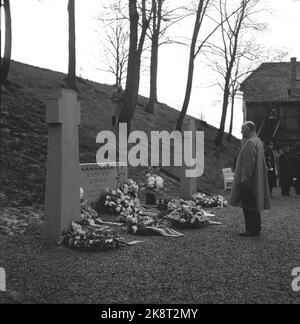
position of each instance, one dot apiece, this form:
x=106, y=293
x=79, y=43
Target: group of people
x=285, y=166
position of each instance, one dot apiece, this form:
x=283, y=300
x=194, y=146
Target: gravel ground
x=211, y=265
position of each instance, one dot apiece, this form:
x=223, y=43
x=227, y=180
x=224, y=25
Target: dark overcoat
x=251, y=170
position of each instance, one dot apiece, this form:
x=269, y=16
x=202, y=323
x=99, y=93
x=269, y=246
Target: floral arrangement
x=208, y=202
x=121, y=200
x=135, y=222
x=145, y=222
x=90, y=238
x=186, y=214
x=131, y=188
x=85, y=235
x=154, y=182
x=116, y=202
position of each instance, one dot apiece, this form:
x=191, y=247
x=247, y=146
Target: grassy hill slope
x=24, y=131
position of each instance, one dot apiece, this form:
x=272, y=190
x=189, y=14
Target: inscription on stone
x=95, y=179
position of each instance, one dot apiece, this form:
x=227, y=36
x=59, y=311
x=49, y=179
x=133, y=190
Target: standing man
x=250, y=186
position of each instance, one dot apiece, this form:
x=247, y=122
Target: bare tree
x=195, y=49
x=116, y=50
x=156, y=29
x=71, y=78
x=231, y=49
x=235, y=82
x=136, y=45
x=202, y=8
x=5, y=61
x=164, y=17
x=115, y=43
x=247, y=59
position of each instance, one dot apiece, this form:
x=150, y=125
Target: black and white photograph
x=150, y=155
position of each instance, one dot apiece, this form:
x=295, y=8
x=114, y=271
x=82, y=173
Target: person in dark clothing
x=270, y=162
x=250, y=189
x=285, y=171
x=297, y=173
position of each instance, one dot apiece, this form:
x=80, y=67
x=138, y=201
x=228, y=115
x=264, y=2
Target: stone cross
x=188, y=186
x=62, y=203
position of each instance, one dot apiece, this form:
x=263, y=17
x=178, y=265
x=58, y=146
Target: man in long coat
x=250, y=186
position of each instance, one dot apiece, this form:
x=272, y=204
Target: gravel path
x=211, y=265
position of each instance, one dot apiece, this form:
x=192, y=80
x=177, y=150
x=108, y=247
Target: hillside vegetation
x=24, y=132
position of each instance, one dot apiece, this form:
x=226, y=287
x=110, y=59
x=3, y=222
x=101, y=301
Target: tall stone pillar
x=188, y=186
x=62, y=203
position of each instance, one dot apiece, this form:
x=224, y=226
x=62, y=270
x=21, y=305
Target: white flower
x=134, y=229
x=151, y=179
x=159, y=183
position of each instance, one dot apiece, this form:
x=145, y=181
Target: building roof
x=271, y=82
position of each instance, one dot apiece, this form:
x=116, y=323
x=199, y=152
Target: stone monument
x=188, y=186
x=62, y=203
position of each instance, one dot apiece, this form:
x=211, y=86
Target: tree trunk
x=134, y=64
x=219, y=139
x=71, y=78
x=5, y=62
x=231, y=118
x=157, y=8
x=191, y=69
x=129, y=98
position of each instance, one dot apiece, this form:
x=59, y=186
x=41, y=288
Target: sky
x=40, y=38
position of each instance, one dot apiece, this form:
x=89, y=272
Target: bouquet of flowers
x=131, y=188
x=186, y=214
x=117, y=202
x=90, y=238
x=154, y=182
x=144, y=222
x=85, y=235
x=208, y=202
x=136, y=222
x=120, y=200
